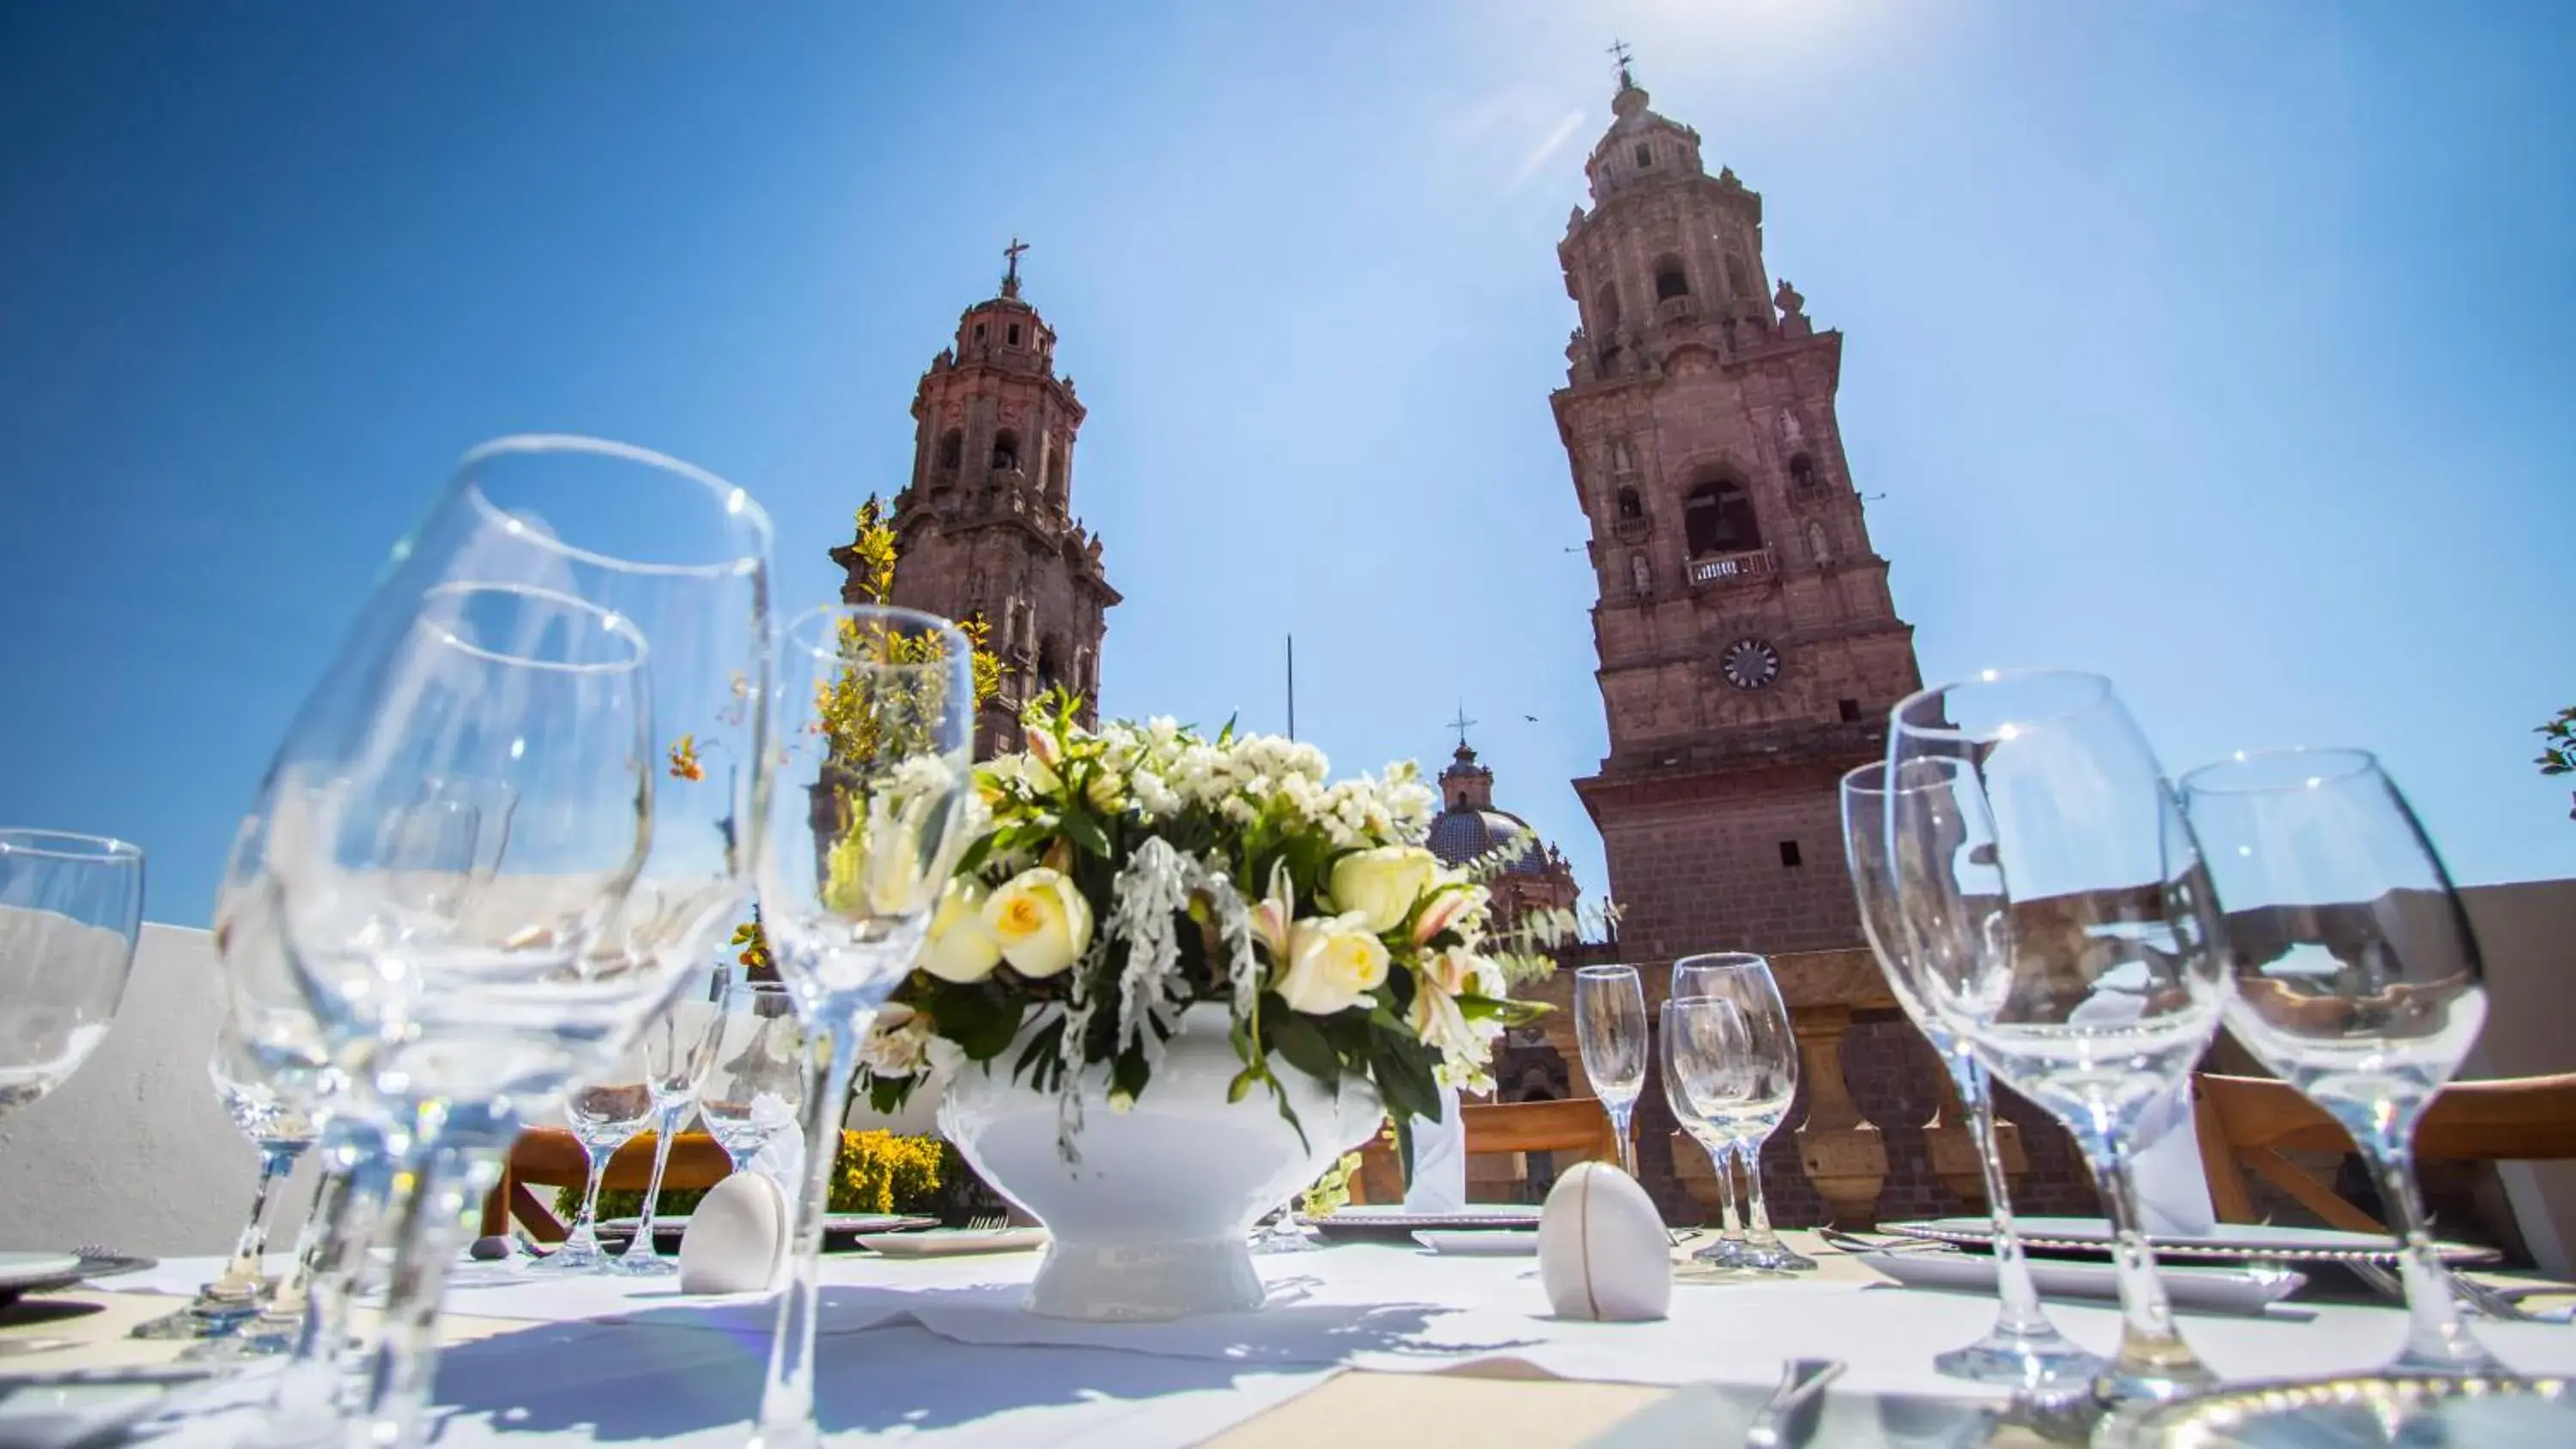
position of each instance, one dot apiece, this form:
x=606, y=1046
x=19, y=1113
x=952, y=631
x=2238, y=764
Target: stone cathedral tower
x=986, y=525
x=1748, y=648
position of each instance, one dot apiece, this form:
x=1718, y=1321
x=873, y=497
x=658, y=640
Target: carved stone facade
x=1749, y=654
x=986, y=525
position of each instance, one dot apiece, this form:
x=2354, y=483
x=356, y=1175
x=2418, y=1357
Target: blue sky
x=2221, y=347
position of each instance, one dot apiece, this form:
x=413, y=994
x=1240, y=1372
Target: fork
x=2481, y=1298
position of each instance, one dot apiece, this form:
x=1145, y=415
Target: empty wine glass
x=677, y=1048
x=2062, y=839
x=1728, y=1250
x=872, y=812
x=605, y=1113
x=2357, y=977
x=755, y=1086
x=1610, y=1028
x=1769, y=1079
x=280, y=1115
x=2023, y=1348
x=70, y=906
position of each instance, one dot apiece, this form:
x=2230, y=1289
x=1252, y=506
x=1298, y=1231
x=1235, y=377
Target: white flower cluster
x=1250, y=777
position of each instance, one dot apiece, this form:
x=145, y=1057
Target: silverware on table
x=1786, y=1418
x=2481, y=1299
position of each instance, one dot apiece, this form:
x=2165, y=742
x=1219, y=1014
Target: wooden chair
x=2250, y=1122
x=1576, y=1126
x=552, y=1157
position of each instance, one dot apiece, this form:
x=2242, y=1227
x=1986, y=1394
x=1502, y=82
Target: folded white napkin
x=2173, y=1187
x=737, y=1239
x=1439, y=1181
x=781, y=1157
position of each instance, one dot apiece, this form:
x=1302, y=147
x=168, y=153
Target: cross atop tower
x=1011, y=272
x=1620, y=52
x=1461, y=723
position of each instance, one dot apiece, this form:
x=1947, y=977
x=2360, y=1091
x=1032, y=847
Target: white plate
x=1391, y=1223
x=1480, y=1244
x=948, y=1243
x=35, y=1267
x=2204, y=1290
x=2230, y=1242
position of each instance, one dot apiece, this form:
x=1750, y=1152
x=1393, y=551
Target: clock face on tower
x=1750, y=663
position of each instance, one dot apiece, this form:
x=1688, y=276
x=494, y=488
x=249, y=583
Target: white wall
x=133, y=1152
x=2527, y=933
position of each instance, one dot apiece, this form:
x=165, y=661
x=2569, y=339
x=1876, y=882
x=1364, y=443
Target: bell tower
x=1748, y=647
x=986, y=528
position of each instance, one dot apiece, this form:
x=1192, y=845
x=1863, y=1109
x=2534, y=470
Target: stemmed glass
x=2022, y=1348
x=2060, y=839
x=678, y=1048
x=1769, y=1080
x=1728, y=1250
x=755, y=1086
x=1610, y=1028
x=875, y=809
x=282, y=1125
x=508, y=645
x=2357, y=977
x=605, y=1112
x=70, y=906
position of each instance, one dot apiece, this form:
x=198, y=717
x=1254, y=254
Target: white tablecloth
x=939, y=1351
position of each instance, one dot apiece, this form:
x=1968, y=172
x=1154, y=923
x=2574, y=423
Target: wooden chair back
x=553, y=1157
x=1578, y=1126
x=2250, y=1122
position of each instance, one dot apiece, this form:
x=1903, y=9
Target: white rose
x=960, y=948
x=1040, y=922
x=897, y=1043
x=1382, y=884
x=1334, y=962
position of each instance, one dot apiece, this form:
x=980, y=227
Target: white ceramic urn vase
x=1154, y=1221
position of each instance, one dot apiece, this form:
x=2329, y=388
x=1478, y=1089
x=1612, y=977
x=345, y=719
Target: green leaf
x=1295, y=1037
x=1404, y=1147
x=1288, y=1115
x=1242, y=1085
x=1085, y=832
x=1508, y=1012
x=985, y=1028
x=1043, y=1046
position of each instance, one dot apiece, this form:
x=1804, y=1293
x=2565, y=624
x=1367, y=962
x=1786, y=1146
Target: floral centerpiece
x=1128, y=873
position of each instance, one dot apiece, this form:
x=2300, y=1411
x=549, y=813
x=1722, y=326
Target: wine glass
x=1610, y=1028
x=2357, y=977
x=677, y=1049
x=755, y=1086
x=1728, y=1250
x=1770, y=1080
x=2071, y=934
x=70, y=906
x=279, y=1113
x=2023, y=1348
x=605, y=1112
x=874, y=810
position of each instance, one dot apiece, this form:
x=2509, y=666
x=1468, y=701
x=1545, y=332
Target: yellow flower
x=1334, y=962
x=684, y=760
x=960, y=949
x=1382, y=884
x=1040, y=921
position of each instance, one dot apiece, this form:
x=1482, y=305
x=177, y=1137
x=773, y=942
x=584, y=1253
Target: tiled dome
x=1461, y=834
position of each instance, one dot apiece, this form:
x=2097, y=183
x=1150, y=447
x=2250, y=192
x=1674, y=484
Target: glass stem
x=1757, y=1231
x=330, y=1188
x=1620, y=1113
x=787, y=1401
x=453, y=1170
x=304, y=1408
x=584, y=1234
x=2021, y=1315
x=2435, y=1337
x=665, y=1127
x=1722, y=1158
x=239, y=1284
x=2153, y=1362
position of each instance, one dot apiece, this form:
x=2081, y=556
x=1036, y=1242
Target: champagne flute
x=678, y=1048
x=1728, y=1250
x=755, y=1087
x=879, y=708
x=2063, y=842
x=2023, y=1348
x=1770, y=1080
x=2357, y=978
x=1610, y=1029
x=70, y=906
